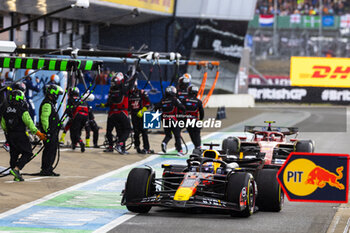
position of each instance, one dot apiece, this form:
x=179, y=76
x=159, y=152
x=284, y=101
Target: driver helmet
x=208, y=167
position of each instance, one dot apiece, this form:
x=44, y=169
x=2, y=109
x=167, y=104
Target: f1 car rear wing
x=282, y=129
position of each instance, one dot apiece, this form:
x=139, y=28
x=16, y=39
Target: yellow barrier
x=165, y=6
x=320, y=72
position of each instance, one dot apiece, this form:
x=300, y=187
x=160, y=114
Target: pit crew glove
x=42, y=136
x=140, y=113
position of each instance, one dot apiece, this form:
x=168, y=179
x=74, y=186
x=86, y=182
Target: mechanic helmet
x=88, y=97
x=29, y=71
x=184, y=83
x=117, y=80
x=187, y=76
x=17, y=97
x=192, y=90
x=73, y=92
x=53, y=91
x=54, y=78
x=9, y=75
x=170, y=91
x=19, y=86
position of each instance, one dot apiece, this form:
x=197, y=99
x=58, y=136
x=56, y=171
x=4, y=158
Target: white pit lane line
x=37, y=179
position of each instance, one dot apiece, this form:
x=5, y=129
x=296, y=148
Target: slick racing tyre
x=140, y=184
x=304, y=146
x=270, y=195
x=230, y=145
x=241, y=190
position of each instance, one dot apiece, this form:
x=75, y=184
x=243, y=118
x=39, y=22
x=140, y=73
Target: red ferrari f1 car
x=268, y=142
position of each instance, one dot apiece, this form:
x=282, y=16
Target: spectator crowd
x=303, y=7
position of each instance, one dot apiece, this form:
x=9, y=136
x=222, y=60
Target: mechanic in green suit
x=49, y=123
x=14, y=121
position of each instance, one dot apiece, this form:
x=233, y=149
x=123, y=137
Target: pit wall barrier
x=231, y=101
x=239, y=100
x=289, y=94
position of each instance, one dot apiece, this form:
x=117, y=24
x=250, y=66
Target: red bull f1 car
x=207, y=181
x=240, y=178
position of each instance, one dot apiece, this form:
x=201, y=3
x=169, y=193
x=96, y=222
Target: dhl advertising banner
x=165, y=6
x=320, y=72
x=315, y=177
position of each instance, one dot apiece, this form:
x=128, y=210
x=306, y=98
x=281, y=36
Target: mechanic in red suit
x=170, y=107
x=118, y=103
x=78, y=111
x=138, y=104
x=194, y=111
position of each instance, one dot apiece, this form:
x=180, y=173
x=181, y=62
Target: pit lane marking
x=37, y=179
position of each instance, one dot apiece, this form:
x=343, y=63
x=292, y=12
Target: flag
x=328, y=21
x=295, y=18
x=266, y=20
x=345, y=21
x=311, y=21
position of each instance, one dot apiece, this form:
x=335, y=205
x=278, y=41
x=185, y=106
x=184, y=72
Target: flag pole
x=320, y=32
x=275, y=49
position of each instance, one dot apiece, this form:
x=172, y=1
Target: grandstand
x=303, y=7
x=299, y=28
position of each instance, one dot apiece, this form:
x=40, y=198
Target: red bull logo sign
x=320, y=177
x=315, y=177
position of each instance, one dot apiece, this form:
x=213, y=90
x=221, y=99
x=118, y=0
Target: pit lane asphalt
x=295, y=216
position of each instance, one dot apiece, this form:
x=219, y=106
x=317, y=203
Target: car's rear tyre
x=241, y=185
x=230, y=145
x=305, y=146
x=140, y=184
x=270, y=195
